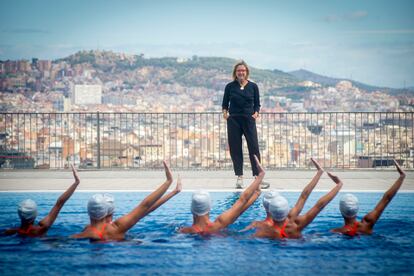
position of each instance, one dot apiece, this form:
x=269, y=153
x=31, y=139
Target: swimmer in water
x=201, y=205
x=348, y=206
x=289, y=224
x=27, y=211
x=268, y=220
x=102, y=230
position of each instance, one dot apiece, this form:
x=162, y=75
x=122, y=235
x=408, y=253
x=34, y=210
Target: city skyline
x=367, y=41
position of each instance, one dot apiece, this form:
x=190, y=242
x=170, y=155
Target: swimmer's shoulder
x=186, y=230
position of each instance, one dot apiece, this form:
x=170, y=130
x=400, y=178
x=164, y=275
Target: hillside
x=209, y=72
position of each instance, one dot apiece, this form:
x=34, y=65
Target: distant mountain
x=308, y=75
x=209, y=72
x=324, y=80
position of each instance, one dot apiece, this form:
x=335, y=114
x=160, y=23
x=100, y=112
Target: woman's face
x=241, y=72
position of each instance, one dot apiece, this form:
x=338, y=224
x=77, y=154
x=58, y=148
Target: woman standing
x=241, y=106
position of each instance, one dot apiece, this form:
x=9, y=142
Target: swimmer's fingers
x=316, y=164
x=399, y=169
x=179, y=186
x=167, y=169
x=75, y=173
x=334, y=178
x=259, y=165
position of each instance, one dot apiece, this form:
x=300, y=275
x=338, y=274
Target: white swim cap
x=111, y=203
x=279, y=208
x=97, y=207
x=267, y=197
x=200, y=203
x=27, y=210
x=348, y=205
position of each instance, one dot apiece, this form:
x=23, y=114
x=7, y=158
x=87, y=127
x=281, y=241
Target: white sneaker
x=239, y=183
x=264, y=185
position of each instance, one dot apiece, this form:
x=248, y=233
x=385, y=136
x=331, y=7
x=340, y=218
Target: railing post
x=98, y=125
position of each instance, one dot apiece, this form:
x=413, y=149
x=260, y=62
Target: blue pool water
x=153, y=246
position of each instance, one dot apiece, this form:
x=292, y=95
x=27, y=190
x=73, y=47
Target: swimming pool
x=153, y=246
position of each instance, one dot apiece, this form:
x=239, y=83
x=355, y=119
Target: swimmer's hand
x=334, y=178
x=259, y=167
x=75, y=174
x=399, y=169
x=179, y=186
x=249, y=227
x=168, y=173
x=317, y=165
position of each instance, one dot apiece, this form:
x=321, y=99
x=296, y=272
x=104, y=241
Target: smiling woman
x=241, y=106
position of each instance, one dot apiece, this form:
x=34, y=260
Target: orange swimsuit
x=198, y=229
x=27, y=231
x=352, y=230
x=281, y=231
x=99, y=233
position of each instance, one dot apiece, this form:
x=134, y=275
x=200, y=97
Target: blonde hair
x=238, y=64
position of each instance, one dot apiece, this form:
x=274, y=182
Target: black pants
x=236, y=127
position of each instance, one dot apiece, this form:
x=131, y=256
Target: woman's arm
x=225, y=103
x=372, y=217
x=48, y=221
x=256, y=99
x=126, y=222
x=303, y=221
x=243, y=202
x=295, y=211
x=164, y=199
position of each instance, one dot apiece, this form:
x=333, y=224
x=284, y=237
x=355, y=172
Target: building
x=10, y=66
x=62, y=104
x=84, y=94
x=23, y=66
x=44, y=65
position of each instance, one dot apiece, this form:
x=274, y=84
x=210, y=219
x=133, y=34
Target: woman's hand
x=225, y=114
x=255, y=115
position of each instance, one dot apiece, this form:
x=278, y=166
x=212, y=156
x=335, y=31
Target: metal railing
x=199, y=140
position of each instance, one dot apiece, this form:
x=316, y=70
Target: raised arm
x=167, y=197
x=372, y=217
x=243, y=202
x=307, y=218
x=295, y=211
x=252, y=199
x=126, y=222
x=51, y=217
x=247, y=205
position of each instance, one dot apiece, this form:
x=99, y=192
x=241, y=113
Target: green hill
x=209, y=72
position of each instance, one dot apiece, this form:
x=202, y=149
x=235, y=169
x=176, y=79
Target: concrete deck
x=136, y=180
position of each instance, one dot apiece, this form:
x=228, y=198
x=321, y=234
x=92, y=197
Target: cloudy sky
x=371, y=41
